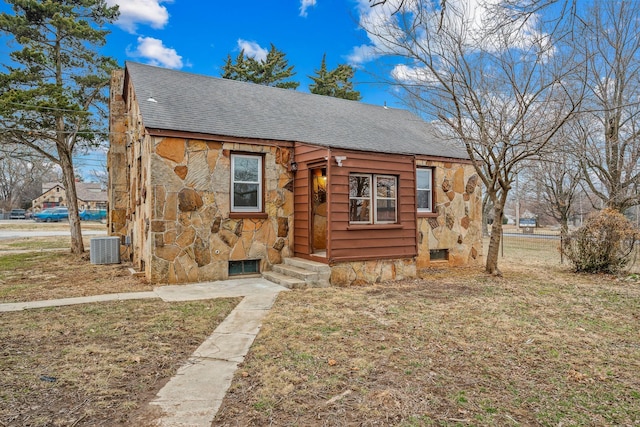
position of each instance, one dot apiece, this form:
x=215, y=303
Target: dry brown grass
x=58, y=226
x=540, y=346
x=91, y=364
x=96, y=364
x=50, y=275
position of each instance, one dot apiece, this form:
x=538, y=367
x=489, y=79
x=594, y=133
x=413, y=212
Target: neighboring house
x=211, y=178
x=90, y=196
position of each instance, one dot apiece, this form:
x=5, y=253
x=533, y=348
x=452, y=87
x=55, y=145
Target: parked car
x=93, y=214
x=51, y=215
x=17, y=214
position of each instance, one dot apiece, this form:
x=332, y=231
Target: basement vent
x=439, y=254
x=105, y=250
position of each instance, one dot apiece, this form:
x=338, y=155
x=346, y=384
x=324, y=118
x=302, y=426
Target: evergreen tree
x=336, y=83
x=274, y=70
x=53, y=91
x=237, y=71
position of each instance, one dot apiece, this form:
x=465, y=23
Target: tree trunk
x=491, y=266
x=485, y=215
x=68, y=176
x=564, y=227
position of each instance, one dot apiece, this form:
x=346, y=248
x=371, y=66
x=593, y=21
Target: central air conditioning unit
x=105, y=250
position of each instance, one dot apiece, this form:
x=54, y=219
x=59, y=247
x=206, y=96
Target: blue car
x=93, y=214
x=51, y=215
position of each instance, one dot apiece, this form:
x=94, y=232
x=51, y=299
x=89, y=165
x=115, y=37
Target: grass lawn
x=97, y=364
x=40, y=275
x=540, y=346
x=90, y=364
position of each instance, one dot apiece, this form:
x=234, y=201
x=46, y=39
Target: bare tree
x=492, y=78
x=610, y=118
x=21, y=176
x=558, y=176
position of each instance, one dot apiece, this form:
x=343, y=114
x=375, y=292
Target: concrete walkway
x=194, y=395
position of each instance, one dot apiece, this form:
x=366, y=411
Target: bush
x=604, y=244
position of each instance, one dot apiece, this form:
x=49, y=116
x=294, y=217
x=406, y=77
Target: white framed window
x=246, y=183
x=424, y=194
x=373, y=207
x=359, y=199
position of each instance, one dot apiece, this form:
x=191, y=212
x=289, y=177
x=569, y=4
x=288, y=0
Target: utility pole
x=517, y=204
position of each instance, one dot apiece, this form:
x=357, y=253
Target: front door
x=318, y=237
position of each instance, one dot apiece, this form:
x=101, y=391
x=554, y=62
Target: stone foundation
x=357, y=273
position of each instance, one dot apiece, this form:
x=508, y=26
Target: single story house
x=90, y=196
x=211, y=178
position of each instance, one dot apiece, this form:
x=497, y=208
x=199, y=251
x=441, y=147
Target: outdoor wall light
x=340, y=159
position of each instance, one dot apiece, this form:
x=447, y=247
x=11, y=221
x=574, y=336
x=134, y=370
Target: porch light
x=340, y=159
x=322, y=183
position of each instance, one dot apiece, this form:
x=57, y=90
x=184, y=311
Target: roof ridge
x=189, y=102
x=245, y=83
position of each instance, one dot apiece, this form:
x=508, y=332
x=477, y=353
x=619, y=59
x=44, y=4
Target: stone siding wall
x=192, y=233
x=458, y=224
x=117, y=187
x=128, y=173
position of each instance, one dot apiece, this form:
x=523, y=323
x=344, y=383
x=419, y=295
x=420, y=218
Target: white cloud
x=156, y=53
x=304, y=5
x=361, y=54
x=378, y=21
x=253, y=50
x=404, y=73
x=147, y=12
x=475, y=20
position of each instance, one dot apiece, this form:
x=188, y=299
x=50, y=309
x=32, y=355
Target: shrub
x=604, y=244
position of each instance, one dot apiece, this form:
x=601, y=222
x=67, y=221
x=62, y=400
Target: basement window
x=439, y=254
x=245, y=266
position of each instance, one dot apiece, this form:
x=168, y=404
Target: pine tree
x=336, y=83
x=236, y=71
x=274, y=70
x=53, y=91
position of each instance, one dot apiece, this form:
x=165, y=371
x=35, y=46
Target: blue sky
x=197, y=36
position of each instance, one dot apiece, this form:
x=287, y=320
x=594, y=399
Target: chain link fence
x=542, y=246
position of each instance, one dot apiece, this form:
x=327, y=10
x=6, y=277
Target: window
x=246, y=183
x=424, y=196
x=246, y=266
x=367, y=206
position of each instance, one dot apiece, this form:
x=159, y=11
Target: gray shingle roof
x=202, y=104
x=91, y=192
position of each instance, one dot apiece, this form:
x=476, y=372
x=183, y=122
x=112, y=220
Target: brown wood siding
x=304, y=155
x=353, y=242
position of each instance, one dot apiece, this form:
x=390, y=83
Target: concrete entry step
x=299, y=273
x=308, y=265
x=284, y=280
